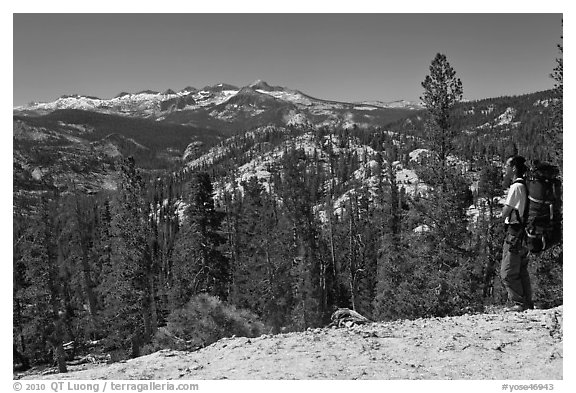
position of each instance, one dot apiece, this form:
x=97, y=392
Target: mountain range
x=229, y=108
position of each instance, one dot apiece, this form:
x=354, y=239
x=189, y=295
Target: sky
x=344, y=57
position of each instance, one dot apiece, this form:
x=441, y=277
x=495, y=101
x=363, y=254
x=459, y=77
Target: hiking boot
x=515, y=308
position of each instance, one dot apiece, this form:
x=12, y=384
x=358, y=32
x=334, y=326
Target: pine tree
x=490, y=187
x=246, y=213
x=556, y=131
x=128, y=285
x=354, y=266
x=298, y=195
x=102, y=249
x=18, y=286
x=42, y=291
x=445, y=279
x=395, y=263
x=365, y=238
x=199, y=264
x=83, y=224
x=261, y=273
x=547, y=268
x=442, y=91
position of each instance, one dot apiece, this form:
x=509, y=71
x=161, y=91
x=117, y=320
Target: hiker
x=514, y=269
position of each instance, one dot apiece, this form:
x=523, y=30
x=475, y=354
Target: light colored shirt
x=516, y=199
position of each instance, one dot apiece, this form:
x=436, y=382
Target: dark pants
x=514, y=269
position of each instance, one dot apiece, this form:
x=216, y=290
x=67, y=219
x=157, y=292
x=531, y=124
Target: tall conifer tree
x=128, y=285
x=199, y=262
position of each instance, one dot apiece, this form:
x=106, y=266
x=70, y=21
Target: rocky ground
x=504, y=346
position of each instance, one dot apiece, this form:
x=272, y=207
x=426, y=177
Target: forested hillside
x=490, y=126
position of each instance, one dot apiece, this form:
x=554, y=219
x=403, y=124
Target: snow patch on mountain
x=207, y=98
x=364, y=108
x=290, y=96
x=147, y=102
x=68, y=103
x=399, y=104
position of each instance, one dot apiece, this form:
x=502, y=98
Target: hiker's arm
x=506, y=210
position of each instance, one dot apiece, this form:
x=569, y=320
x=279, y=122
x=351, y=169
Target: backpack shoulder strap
x=522, y=220
x=521, y=181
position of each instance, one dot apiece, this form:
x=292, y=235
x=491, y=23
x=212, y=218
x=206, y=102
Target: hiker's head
x=515, y=167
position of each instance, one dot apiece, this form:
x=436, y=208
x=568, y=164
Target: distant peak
x=147, y=92
x=260, y=84
x=122, y=94
x=249, y=90
x=169, y=91
x=220, y=87
x=188, y=89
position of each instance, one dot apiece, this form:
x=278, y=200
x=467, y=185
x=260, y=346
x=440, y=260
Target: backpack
x=543, y=214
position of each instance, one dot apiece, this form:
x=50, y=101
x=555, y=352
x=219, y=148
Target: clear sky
x=344, y=57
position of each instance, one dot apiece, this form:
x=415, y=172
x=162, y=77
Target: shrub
x=205, y=319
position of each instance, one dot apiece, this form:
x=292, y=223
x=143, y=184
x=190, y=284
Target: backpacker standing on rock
x=514, y=269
